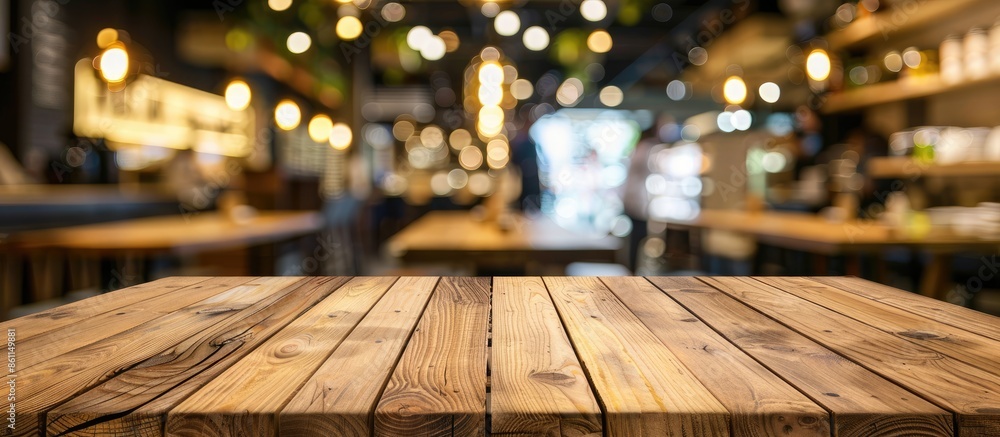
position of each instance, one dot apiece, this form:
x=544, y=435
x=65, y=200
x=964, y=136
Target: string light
x=238, y=95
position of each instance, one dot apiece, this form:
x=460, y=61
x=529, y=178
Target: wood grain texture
x=760, y=402
x=538, y=385
x=960, y=317
x=121, y=404
x=439, y=386
x=245, y=399
x=862, y=403
x=57, y=380
x=40, y=348
x=971, y=393
x=962, y=345
x=339, y=399
x=72, y=313
x=644, y=390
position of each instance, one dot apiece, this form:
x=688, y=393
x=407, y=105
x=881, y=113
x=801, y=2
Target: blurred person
x=636, y=197
x=524, y=156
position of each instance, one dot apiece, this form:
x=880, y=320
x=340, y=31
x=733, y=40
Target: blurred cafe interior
x=145, y=139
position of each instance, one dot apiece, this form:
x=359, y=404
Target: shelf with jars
x=855, y=26
x=960, y=62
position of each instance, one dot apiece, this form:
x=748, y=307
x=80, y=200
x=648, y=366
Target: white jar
x=951, y=54
x=977, y=48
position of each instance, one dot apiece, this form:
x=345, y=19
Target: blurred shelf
x=897, y=21
x=905, y=167
x=897, y=91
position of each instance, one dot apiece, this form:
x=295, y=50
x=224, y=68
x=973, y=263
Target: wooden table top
x=457, y=235
x=813, y=233
x=625, y=356
x=176, y=233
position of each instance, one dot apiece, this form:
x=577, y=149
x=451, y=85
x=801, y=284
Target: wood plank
x=439, y=385
x=642, y=387
x=761, y=403
x=538, y=385
x=40, y=348
x=72, y=313
x=57, y=380
x=339, y=399
x=964, y=346
x=244, y=400
x=839, y=385
x=120, y=405
x=960, y=317
x=971, y=393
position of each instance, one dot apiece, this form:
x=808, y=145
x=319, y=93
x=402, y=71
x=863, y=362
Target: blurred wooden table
x=457, y=237
x=814, y=234
x=624, y=356
x=137, y=239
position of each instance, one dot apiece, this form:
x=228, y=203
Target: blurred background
x=561, y=137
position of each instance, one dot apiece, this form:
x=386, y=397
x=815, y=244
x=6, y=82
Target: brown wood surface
x=339, y=399
x=538, y=385
x=969, y=392
x=40, y=348
x=106, y=410
x=439, y=386
x=245, y=399
x=178, y=233
x=948, y=340
x=960, y=317
x=72, y=313
x=643, y=388
x=659, y=356
x=57, y=380
x=839, y=385
x=457, y=236
x=760, y=402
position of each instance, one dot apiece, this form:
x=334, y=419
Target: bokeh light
x=507, y=23
x=734, y=90
x=535, y=38
x=593, y=10
x=114, y=64
x=599, y=41
x=349, y=28
x=769, y=92
x=319, y=128
x=298, y=42
x=287, y=115
x=279, y=5
x=238, y=95
x=611, y=96
x=341, y=136
x=818, y=65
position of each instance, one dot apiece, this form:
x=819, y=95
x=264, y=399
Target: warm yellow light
x=114, y=64
x=611, y=96
x=769, y=92
x=319, y=128
x=279, y=5
x=341, y=136
x=490, y=121
x=818, y=65
x=287, y=115
x=507, y=23
x=599, y=41
x=298, y=42
x=593, y=10
x=521, y=89
x=734, y=90
x=106, y=37
x=535, y=38
x=238, y=95
x=490, y=95
x=470, y=157
x=491, y=73
x=460, y=139
x=349, y=28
